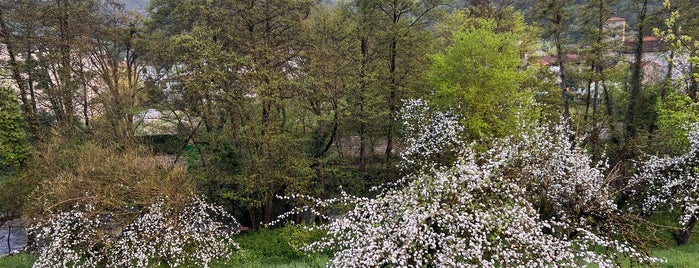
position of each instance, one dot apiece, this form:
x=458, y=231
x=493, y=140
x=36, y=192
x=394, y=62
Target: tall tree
x=408, y=43
x=555, y=15
x=394, y=40
x=598, y=37
x=635, y=81
x=47, y=43
x=17, y=32
x=479, y=75
x=235, y=67
x=680, y=31
x=329, y=66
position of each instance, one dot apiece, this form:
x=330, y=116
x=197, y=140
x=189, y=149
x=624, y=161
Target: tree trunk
x=561, y=66
x=636, y=77
x=682, y=236
x=607, y=99
x=362, y=119
x=694, y=84
x=392, y=107
x=589, y=91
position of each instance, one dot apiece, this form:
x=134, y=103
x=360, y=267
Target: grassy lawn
x=272, y=248
x=679, y=256
x=17, y=261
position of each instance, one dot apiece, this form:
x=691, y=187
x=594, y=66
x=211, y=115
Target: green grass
x=273, y=248
x=679, y=256
x=676, y=256
x=17, y=261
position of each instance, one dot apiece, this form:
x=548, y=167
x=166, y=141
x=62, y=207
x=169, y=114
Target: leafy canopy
x=479, y=76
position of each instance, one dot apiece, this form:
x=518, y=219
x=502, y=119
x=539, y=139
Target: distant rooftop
x=650, y=44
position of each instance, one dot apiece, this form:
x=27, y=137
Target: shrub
x=97, y=205
x=672, y=182
x=531, y=200
x=191, y=234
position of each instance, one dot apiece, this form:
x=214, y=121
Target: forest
x=349, y=133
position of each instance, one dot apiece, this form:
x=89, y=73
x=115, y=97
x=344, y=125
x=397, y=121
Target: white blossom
x=196, y=233
x=671, y=181
x=533, y=200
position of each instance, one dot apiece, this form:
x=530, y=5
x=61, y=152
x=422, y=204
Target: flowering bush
x=195, y=233
x=672, y=182
x=529, y=201
x=431, y=137
x=457, y=217
x=560, y=178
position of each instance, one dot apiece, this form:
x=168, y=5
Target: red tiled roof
x=650, y=44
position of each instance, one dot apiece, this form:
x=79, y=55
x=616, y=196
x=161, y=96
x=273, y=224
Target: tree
x=556, y=16
x=530, y=200
x=684, y=52
x=394, y=39
x=479, y=76
x=408, y=42
x=110, y=72
x=61, y=53
x=235, y=69
x=327, y=91
x=20, y=39
x=598, y=53
x=14, y=146
x=670, y=182
x=633, y=117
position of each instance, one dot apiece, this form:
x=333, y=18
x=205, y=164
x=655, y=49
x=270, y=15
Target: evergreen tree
x=14, y=147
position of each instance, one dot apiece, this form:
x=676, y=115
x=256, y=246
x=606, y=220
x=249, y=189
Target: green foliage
x=14, y=147
x=479, y=76
x=276, y=248
x=23, y=260
x=675, y=116
x=14, y=150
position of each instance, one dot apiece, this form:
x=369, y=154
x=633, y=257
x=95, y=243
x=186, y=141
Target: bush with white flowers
x=535, y=200
x=672, y=183
x=432, y=137
x=195, y=233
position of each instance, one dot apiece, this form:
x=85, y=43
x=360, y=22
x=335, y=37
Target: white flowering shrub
x=67, y=239
x=561, y=179
x=195, y=233
x=672, y=183
x=536, y=200
x=432, y=137
x=457, y=217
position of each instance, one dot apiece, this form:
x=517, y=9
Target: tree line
x=279, y=97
